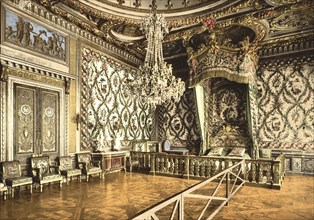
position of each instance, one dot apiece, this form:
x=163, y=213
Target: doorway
x=36, y=120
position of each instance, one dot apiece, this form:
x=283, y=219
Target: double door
x=36, y=122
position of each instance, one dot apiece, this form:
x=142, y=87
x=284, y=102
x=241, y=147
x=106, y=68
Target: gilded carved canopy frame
x=219, y=58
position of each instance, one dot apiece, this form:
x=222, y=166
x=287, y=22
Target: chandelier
x=153, y=82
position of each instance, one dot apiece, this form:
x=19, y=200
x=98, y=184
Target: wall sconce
x=77, y=120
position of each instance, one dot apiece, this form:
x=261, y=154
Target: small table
x=111, y=161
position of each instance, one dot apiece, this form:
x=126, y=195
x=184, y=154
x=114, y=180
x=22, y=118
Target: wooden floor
x=121, y=196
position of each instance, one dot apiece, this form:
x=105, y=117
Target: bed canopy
x=231, y=55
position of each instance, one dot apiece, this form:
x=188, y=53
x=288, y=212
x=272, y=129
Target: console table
x=111, y=161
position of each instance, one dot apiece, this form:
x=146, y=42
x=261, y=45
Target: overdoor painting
x=28, y=34
x=108, y=113
x=36, y=122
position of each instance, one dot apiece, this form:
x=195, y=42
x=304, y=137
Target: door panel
x=36, y=119
x=25, y=127
x=49, y=110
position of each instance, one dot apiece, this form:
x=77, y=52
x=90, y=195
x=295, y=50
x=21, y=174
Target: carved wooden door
x=36, y=122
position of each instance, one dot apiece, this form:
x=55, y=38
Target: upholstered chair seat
x=19, y=180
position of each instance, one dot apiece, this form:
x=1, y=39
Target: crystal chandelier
x=154, y=82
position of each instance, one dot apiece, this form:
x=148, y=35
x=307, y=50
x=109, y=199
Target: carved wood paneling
x=25, y=119
x=49, y=119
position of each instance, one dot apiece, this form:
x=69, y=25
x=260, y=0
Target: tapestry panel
x=286, y=105
x=107, y=112
x=177, y=122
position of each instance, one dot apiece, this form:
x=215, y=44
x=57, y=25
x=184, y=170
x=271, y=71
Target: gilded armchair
x=88, y=166
x=12, y=175
x=43, y=172
x=67, y=170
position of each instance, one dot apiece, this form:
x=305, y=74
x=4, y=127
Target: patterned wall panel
x=286, y=109
x=177, y=122
x=107, y=111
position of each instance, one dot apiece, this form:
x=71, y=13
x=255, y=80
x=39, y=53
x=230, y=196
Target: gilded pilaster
x=3, y=119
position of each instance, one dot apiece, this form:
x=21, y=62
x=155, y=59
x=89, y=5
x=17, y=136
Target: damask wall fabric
x=109, y=115
x=177, y=122
x=286, y=105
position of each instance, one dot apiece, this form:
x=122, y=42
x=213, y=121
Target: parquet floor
x=121, y=196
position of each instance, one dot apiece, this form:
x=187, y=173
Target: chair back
x=84, y=158
x=65, y=163
x=11, y=169
x=42, y=163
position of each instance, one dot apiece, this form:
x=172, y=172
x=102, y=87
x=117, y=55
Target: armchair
x=12, y=175
x=43, y=172
x=88, y=166
x=66, y=169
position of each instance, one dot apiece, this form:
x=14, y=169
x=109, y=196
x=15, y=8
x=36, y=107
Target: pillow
x=217, y=151
x=166, y=145
x=237, y=152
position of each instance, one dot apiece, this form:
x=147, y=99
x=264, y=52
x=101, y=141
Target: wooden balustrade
x=261, y=171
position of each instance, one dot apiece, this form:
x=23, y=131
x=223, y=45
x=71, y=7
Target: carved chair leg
x=87, y=177
x=100, y=174
x=61, y=184
x=67, y=181
x=12, y=191
x=5, y=195
x=41, y=187
x=31, y=188
x=80, y=178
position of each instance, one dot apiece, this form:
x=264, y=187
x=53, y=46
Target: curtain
x=200, y=105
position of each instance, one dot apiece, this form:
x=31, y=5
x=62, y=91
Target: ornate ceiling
x=118, y=22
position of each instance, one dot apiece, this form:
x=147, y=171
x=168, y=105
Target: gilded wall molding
x=33, y=68
x=287, y=45
x=32, y=76
x=66, y=144
x=3, y=120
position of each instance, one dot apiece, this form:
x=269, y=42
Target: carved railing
x=232, y=177
x=260, y=171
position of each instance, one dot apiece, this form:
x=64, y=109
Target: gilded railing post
x=186, y=167
x=152, y=164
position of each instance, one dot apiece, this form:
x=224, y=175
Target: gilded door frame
x=10, y=114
